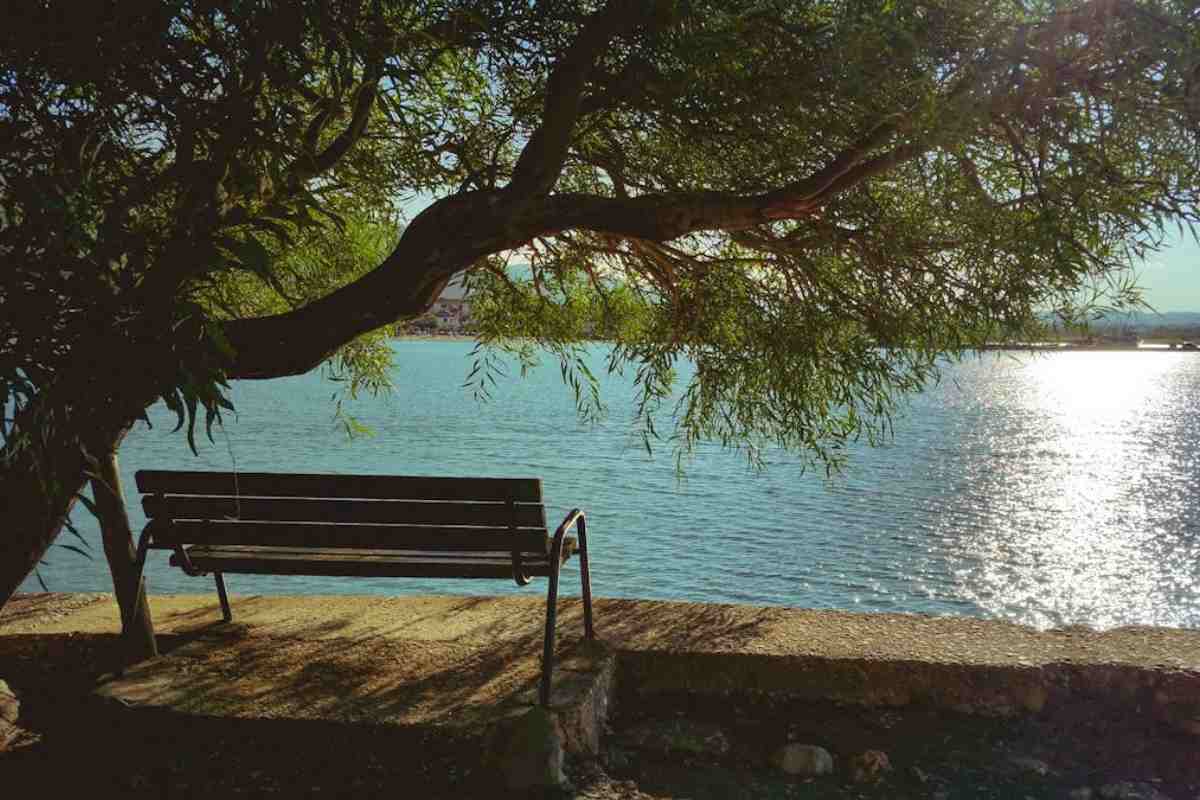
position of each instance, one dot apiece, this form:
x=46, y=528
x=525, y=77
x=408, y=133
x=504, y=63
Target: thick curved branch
x=543, y=156
x=408, y=282
x=404, y=286
x=662, y=217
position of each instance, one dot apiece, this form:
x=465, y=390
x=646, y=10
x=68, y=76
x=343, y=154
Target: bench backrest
x=344, y=511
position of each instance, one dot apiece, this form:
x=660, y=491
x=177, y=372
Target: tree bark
x=41, y=482
x=137, y=629
x=38, y=500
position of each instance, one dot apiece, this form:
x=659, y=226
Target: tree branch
x=542, y=159
x=363, y=101
x=403, y=286
x=408, y=282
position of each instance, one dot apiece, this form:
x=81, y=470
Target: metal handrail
x=576, y=520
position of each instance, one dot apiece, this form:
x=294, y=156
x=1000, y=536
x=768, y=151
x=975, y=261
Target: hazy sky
x=1171, y=279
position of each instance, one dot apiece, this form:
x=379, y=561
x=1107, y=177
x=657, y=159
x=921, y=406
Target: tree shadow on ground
x=316, y=708
x=681, y=627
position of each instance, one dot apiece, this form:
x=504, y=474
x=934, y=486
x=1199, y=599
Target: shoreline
x=1080, y=348
x=777, y=630
x=433, y=337
x=1065, y=347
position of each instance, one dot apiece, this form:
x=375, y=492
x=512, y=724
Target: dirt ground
x=75, y=743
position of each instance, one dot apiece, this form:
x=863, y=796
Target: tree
x=810, y=200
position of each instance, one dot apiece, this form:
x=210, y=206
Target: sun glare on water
x=1080, y=494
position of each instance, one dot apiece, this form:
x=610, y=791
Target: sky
x=1171, y=278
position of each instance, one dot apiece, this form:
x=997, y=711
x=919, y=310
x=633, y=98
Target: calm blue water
x=1048, y=490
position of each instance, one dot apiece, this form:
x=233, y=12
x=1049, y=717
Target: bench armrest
x=575, y=519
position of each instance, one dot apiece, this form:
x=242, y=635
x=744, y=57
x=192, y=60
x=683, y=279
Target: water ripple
x=1047, y=490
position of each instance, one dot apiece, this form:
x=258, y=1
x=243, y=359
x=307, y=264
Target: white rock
x=803, y=759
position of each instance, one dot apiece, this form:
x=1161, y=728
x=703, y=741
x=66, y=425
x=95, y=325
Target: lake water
x=1045, y=489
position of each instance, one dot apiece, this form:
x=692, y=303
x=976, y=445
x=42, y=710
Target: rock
x=1130, y=790
x=528, y=751
x=869, y=766
x=1082, y=793
x=1032, y=765
x=679, y=736
x=10, y=709
x=803, y=759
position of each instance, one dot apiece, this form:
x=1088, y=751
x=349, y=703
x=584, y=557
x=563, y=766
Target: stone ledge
x=1170, y=696
x=963, y=664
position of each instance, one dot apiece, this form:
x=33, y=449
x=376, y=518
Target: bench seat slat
x=368, y=563
x=346, y=554
x=377, y=537
x=295, y=509
x=380, y=487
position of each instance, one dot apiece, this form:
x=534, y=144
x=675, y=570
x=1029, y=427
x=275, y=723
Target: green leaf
x=74, y=549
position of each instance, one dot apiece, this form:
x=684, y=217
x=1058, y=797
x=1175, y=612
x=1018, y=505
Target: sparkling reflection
x=1080, y=488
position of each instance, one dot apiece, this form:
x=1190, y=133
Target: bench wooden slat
x=376, y=537
x=360, y=569
x=296, y=509
x=379, y=487
x=309, y=562
x=366, y=554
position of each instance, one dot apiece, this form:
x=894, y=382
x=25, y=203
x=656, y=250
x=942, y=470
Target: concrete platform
x=463, y=662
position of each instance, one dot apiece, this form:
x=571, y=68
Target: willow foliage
x=811, y=200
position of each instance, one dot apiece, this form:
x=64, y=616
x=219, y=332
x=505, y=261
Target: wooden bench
x=362, y=526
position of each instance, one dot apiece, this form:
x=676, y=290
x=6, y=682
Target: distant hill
x=1142, y=321
x=1146, y=321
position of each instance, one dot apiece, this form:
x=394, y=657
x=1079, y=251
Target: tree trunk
x=137, y=629
x=112, y=380
x=36, y=504
x=44, y=466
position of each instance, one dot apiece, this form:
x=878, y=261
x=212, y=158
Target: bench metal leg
x=575, y=518
x=223, y=597
x=585, y=578
x=551, y=619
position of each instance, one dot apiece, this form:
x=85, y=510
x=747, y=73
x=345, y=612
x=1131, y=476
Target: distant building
x=452, y=311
